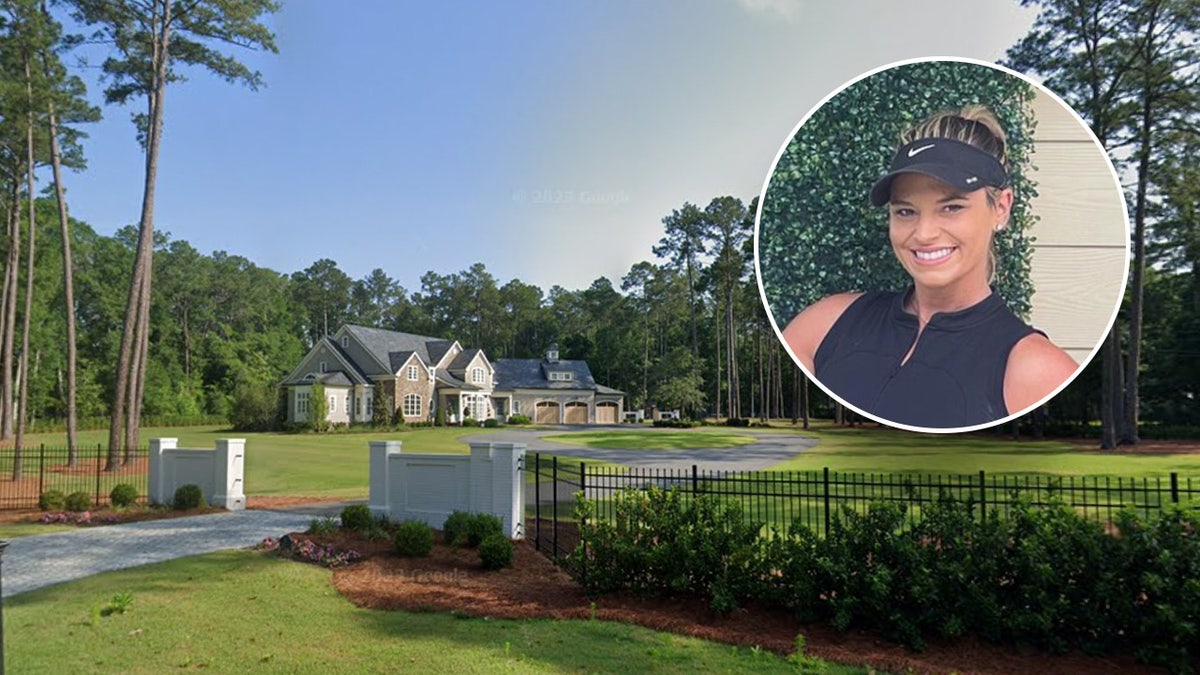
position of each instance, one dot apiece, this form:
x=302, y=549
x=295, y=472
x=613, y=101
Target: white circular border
x=763, y=197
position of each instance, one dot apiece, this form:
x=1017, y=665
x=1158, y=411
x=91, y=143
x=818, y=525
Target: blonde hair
x=974, y=125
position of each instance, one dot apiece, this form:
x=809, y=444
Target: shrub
x=323, y=525
x=659, y=543
x=255, y=406
x=188, y=497
x=357, y=517
x=518, y=419
x=78, y=502
x=52, y=500
x=413, y=539
x=491, y=423
x=676, y=424
x=495, y=551
x=123, y=495
x=480, y=526
x=454, y=530
x=737, y=422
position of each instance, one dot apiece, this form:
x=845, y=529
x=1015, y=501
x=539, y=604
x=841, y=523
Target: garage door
x=577, y=413
x=606, y=413
x=547, y=413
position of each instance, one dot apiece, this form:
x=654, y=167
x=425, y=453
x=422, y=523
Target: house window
x=323, y=366
x=413, y=373
x=516, y=405
x=345, y=341
x=412, y=405
x=332, y=404
x=477, y=376
x=559, y=377
x=301, y=403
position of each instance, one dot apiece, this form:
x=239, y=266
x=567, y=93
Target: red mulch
x=452, y=580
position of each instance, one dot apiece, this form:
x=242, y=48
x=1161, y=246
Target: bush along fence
x=1101, y=567
x=48, y=468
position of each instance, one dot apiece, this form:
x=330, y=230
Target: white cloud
x=788, y=9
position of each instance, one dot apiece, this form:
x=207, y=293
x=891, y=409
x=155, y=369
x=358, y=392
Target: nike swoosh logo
x=916, y=151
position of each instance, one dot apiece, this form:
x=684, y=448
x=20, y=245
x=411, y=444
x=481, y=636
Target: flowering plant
x=82, y=518
x=306, y=550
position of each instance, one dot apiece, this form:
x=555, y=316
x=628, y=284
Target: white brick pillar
x=377, y=496
x=229, y=465
x=508, y=487
x=157, y=469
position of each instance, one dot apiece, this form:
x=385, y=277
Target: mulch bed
x=452, y=580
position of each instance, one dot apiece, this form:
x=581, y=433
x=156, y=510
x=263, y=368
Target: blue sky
x=546, y=140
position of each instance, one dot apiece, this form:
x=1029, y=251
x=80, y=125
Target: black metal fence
x=27, y=473
x=811, y=498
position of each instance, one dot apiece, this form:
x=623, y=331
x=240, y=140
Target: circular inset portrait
x=941, y=244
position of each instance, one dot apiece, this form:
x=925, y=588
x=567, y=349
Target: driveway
x=767, y=450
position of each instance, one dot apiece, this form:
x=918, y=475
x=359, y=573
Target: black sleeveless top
x=954, y=378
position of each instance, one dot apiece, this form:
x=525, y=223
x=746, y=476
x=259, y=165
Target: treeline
x=684, y=330
x=222, y=327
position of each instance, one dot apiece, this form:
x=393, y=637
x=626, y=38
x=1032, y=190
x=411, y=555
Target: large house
x=420, y=375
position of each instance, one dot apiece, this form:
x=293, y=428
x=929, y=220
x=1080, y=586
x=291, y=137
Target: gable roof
x=532, y=374
x=349, y=370
x=463, y=360
x=392, y=348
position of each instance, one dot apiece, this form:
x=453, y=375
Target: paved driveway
x=767, y=450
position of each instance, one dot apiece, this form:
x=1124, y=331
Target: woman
x=946, y=353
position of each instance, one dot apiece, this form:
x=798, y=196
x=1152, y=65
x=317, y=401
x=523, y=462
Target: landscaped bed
x=452, y=580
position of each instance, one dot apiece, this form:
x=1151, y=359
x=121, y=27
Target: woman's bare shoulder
x=1036, y=367
x=805, y=332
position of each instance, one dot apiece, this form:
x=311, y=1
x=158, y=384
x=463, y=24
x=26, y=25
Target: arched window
x=412, y=405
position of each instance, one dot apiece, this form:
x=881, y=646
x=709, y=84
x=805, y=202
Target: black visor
x=955, y=163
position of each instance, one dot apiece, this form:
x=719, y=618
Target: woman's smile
x=933, y=256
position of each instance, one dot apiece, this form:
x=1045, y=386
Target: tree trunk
x=23, y=406
x=731, y=367
x=11, y=280
x=140, y=283
x=1110, y=388
x=717, y=363
x=1129, y=416
x=804, y=395
x=68, y=285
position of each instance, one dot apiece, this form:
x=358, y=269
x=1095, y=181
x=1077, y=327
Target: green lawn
x=653, y=439
x=328, y=465
x=14, y=530
x=240, y=611
x=888, y=450
x=336, y=465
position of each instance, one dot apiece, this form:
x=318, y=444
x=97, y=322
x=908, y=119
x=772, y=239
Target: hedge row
x=1042, y=576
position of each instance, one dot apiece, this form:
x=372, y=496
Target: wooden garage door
x=547, y=413
x=606, y=413
x=577, y=413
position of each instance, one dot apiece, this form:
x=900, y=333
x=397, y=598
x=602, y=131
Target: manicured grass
x=240, y=611
x=14, y=530
x=321, y=465
x=653, y=439
x=889, y=450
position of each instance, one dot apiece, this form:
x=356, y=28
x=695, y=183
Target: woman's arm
x=1036, y=367
x=807, y=330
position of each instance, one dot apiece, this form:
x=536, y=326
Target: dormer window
x=559, y=376
x=477, y=376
